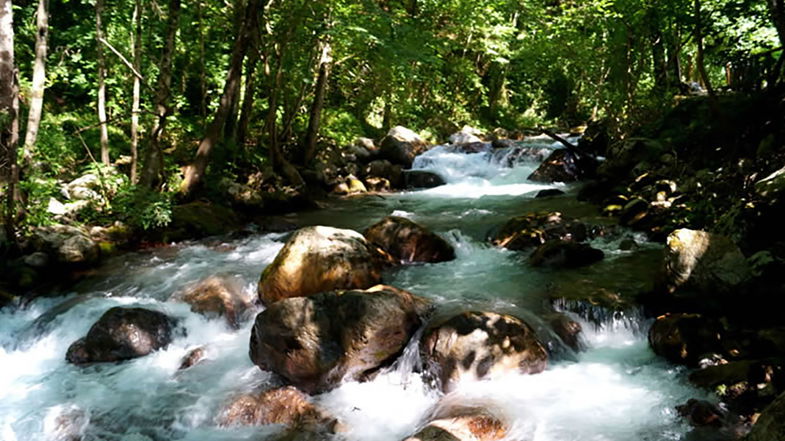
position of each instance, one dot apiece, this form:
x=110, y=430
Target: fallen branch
x=126, y=62
x=574, y=149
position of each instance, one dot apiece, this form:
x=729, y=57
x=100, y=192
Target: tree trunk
x=280, y=164
x=777, y=9
x=194, y=173
x=99, y=53
x=202, y=69
x=39, y=79
x=674, y=62
x=154, y=161
x=136, y=48
x=315, y=117
x=248, y=98
x=9, y=121
x=699, y=57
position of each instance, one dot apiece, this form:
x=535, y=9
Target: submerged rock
x=318, y=341
x=568, y=330
x=318, y=259
x=414, y=179
x=701, y=413
x=565, y=254
x=122, y=334
x=560, y=166
x=285, y=405
x=462, y=424
x=550, y=192
x=771, y=423
x=217, y=296
x=476, y=345
x=408, y=241
x=703, y=262
x=684, y=338
x=192, y=358
x=534, y=229
x=384, y=169
x=401, y=146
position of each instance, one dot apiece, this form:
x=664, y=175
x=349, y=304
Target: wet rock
x=192, y=358
x=286, y=406
x=401, y=146
x=475, y=345
x=351, y=185
x=318, y=259
x=701, y=413
x=68, y=245
x=408, y=241
x=378, y=185
x=770, y=425
x=385, y=170
x=201, y=219
x=771, y=186
x=468, y=424
x=465, y=136
x=319, y=341
x=38, y=259
x=504, y=144
x=565, y=254
x=634, y=212
x=534, y=229
x=684, y=338
x=703, y=262
x=122, y=334
x=560, y=166
x=414, y=179
x=65, y=423
x=217, y=296
x=568, y=330
x=470, y=148
x=747, y=386
x=548, y=193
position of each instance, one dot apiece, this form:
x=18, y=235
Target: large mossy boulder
x=533, y=229
x=476, y=345
x=565, y=254
x=122, y=334
x=401, y=146
x=770, y=426
x=217, y=296
x=703, y=262
x=408, y=241
x=684, y=338
x=68, y=245
x=319, y=259
x=317, y=342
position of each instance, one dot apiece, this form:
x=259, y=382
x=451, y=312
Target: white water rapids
x=616, y=390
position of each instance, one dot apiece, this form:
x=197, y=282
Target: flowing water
x=615, y=390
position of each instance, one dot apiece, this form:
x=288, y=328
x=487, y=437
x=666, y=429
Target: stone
x=38, y=259
x=462, y=425
x=192, y=358
x=465, y=136
x=416, y=179
x=701, y=413
x=684, y=338
x=68, y=245
x=634, y=212
x=770, y=426
x=201, y=219
x=386, y=170
x=317, y=342
x=703, y=262
x=286, y=406
x=378, y=185
x=565, y=254
x=560, y=166
x=548, y=193
x=772, y=185
x=122, y=334
x=533, y=229
x=217, y=296
x=504, y=144
x=318, y=259
x=476, y=345
x=568, y=330
x=401, y=146
x=408, y=241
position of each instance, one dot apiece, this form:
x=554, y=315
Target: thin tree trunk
x=136, y=48
x=777, y=10
x=315, y=117
x=674, y=62
x=699, y=57
x=280, y=164
x=153, y=162
x=9, y=118
x=194, y=173
x=39, y=79
x=202, y=68
x=99, y=35
x=248, y=98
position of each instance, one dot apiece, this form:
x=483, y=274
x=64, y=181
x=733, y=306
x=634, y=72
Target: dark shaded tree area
x=164, y=101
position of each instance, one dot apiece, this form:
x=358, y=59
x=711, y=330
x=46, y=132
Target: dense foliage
x=432, y=65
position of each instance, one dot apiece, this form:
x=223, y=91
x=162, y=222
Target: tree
x=136, y=49
x=314, y=120
x=39, y=78
x=9, y=121
x=101, y=98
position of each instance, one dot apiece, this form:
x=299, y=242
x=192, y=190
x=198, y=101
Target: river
x=615, y=390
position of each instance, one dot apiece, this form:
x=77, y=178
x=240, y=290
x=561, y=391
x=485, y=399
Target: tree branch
x=126, y=62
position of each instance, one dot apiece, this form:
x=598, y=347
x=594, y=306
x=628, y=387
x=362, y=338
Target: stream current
x=614, y=390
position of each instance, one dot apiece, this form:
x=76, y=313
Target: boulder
x=470, y=148
x=462, y=424
x=701, y=413
x=317, y=342
x=771, y=186
x=504, y=144
x=192, y=358
x=476, y=345
x=200, y=219
x=408, y=241
x=350, y=186
x=684, y=338
x=465, y=136
x=703, y=262
x=318, y=259
x=68, y=245
x=560, y=166
x=217, y=296
x=285, y=405
x=548, y=193
x=746, y=386
x=122, y=334
x=568, y=330
x=401, y=146
x=414, y=179
x=770, y=425
x=379, y=185
x=565, y=254
x=534, y=229
x=385, y=170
